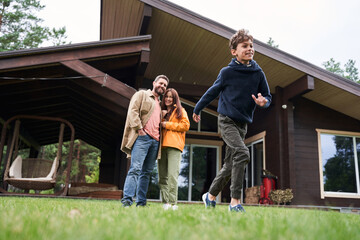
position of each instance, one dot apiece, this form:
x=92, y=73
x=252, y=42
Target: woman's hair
x=176, y=101
x=240, y=36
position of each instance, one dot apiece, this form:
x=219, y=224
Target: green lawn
x=50, y=218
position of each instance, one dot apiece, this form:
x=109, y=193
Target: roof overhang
x=88, y=84
x=191, y=49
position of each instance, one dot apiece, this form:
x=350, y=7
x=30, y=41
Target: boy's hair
x=162, y=76
x=240, y=36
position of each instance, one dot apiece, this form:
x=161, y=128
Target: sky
x=312, y=30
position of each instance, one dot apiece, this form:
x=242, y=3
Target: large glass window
x=198, y=167
x=183, y=180
x=189, y=109
x=203, y=170
x=154, y=189
x=340, y=164
x=208, y=121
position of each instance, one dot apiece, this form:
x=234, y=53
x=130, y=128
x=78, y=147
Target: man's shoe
x=174, y=207
x=237, y=208
x=126, y=204
x=207, y=202
x=140, y=205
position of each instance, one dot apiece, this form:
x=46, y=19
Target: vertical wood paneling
x=120, y=18
x=309, y=116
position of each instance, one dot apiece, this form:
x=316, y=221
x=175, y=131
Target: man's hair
x=162, y=76
x=240, y=36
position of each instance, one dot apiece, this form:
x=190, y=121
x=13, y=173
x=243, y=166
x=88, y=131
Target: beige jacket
x=142, y=105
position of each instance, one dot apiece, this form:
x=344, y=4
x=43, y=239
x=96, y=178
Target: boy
x=241, y=85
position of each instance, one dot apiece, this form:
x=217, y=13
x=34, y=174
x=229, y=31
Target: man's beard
x=159, y=91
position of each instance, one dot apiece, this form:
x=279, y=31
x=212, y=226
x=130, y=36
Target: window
x=208, y=121
x=154, y=189
x=198, y=166
x=254, y=168
x=189, y=109
x=253, y=171
x=339, y=160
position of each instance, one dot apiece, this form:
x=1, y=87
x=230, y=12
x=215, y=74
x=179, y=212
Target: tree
x=20, y=28
x=85, y=160
x=350, y=71
x=271, y=42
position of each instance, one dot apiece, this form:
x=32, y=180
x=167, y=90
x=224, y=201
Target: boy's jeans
x=237, y=156
x=143, y=157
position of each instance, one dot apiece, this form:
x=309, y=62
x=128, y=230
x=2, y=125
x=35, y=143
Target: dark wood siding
x=264, y=120
x=308, y=116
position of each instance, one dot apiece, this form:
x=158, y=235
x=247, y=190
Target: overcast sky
x=313, y=30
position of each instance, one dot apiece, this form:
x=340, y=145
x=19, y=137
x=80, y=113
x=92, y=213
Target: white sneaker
x=174, y=207
x=166, y=206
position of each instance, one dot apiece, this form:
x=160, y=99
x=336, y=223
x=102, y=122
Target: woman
x=174, y=125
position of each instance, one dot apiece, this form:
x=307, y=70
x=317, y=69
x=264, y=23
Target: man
x=141, y=140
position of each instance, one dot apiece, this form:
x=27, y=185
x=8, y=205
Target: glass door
x=198, y=167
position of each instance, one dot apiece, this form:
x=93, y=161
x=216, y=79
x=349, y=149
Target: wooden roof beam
x=299, y=87
x=30, y=58
x=107, y=85
x=141, y=68
x=145, y=21
x=92, y=100
x=143, y=63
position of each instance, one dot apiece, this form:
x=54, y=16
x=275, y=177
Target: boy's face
x=244, y=52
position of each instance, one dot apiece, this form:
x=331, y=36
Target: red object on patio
x=269, y=184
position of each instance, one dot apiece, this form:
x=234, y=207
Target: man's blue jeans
x=143, y=157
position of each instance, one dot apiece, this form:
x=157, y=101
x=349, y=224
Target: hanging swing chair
x=34, y=173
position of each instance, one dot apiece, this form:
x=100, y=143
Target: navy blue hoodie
x=235, y=84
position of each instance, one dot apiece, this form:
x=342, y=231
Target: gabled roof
x=88, y=84
x=191, y=49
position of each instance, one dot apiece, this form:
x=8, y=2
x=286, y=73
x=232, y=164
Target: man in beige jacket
x=141, y=140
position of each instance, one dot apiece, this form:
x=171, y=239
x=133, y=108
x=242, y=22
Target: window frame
x=208, y=111
x=256, y=139
x=204, y=143
x=353, y=135
x=251, y=141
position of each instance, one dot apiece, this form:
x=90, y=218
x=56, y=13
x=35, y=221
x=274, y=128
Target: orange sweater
x=173, y=135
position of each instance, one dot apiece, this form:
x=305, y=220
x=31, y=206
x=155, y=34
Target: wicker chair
x=34, y=173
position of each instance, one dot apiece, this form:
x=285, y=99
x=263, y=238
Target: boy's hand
x=260, y=100
x=196, y=117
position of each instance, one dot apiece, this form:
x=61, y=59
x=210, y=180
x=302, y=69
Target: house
x=309, y=137
x=293, y=138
